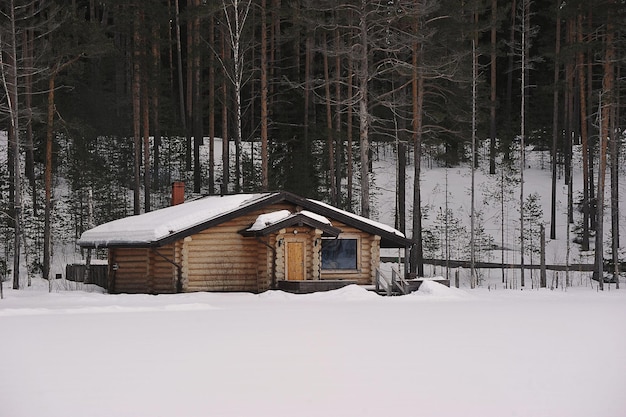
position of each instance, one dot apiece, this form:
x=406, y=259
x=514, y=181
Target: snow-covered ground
x=349, y=352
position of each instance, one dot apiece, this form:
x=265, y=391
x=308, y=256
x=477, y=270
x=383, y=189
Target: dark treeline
x=119, y=95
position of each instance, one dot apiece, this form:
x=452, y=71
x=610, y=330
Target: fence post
x=542, y=275
x=377, y=283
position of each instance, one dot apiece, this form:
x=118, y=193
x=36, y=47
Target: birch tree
x=236, y=14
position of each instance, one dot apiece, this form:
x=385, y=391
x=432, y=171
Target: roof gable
x=288, y=219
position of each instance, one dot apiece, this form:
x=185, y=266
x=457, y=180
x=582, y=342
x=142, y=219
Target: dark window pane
x=339, y=254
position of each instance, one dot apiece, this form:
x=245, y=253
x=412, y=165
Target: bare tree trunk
x=264, y=114
x=189, y=91
x=509, y=81
x=156, y=58
x=524, y=51
x=181, y=87
x=569, y=115
x=364, y=116
x=211, y=108
x=196, y=112
x=225, y=139
x=308, y=86
x=338, y=140
x=555, y=119
x=47, y=236
x=136, y=100
x=330, y=143
x=145, y=112
x=615, y=148
x=591, y=30
x=28, y=87
x=349, y=126
x=9, y=82
x=583, y=133
x=417, y=99
x=473, y=278
x=235, y=25
x=606, y=110
x=492, y=85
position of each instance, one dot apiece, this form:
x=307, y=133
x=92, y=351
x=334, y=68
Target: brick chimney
x=178, y=192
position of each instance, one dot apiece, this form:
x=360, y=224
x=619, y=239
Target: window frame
x=357, y=268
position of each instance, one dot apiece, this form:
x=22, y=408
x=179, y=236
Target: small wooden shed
x=242, y=242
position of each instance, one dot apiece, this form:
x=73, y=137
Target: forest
x=107, y=102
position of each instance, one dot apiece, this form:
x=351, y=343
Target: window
x=339, y=254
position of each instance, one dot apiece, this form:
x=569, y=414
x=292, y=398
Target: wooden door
x=295, y=261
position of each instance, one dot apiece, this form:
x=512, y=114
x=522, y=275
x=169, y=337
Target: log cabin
x=242, y=242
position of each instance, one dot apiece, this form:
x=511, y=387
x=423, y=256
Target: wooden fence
x=98, y=274
x=494, y=265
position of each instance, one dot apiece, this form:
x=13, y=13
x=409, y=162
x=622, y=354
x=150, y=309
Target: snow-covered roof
x=156, y=225
x=372, y=223
x=177, y=221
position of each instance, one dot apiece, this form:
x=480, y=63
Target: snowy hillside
x=451, y=187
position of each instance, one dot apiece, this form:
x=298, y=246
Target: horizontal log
x=222, y=288
x=223, y=268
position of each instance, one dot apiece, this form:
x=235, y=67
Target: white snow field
x=437, y=352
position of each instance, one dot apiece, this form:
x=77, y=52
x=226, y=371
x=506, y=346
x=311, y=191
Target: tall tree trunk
x=330, y=142
x=417, y=99
x=154, y=87
x=264, y=86
x=234, y=26
x=338, y=104
x=196, y=112
x=492, y=85
x=615, y=148
x=569, y=116
x=189, y=90
x=510, y=70
x=225, y=139
x=555, y=119
x=145, y=115
x=364, y=116
x=211, y=108
x=583, y=132
x=525, y=9
x=47, y=232
x=181, y=86
x=606, y=109
x=473, y=278
x=349, y=128
x=308, y=87
x=136, y=101
x=10, y=84
x=590, y=140
x=28, y=87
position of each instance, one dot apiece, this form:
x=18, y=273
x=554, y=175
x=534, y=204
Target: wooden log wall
x=163, y=273
x=129, y=270
x=142, y=270
x=220, y=259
